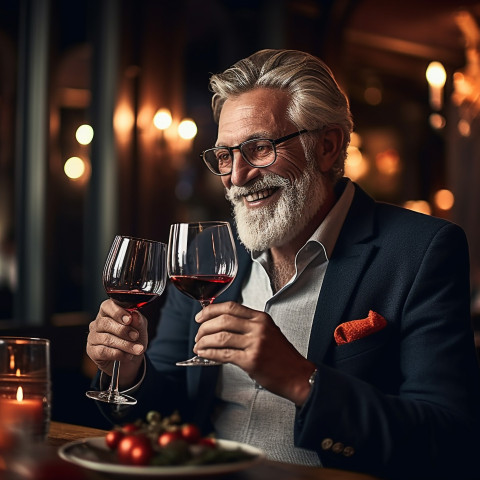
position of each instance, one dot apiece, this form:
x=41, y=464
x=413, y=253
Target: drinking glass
x=25, y=388
x=134, y=275
x=201, y=263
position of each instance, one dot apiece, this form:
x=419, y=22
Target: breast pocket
x=374, y=359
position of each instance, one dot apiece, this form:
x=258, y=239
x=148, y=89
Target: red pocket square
x=355, y=329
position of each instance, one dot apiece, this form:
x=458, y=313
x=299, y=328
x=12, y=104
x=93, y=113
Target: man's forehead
x=260, y=112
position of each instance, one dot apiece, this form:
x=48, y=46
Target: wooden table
x=61, y=433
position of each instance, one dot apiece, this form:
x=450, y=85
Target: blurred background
x=105, y=108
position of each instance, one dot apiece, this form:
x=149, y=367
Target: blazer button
x=327, y=443
x=338, y=447
x=348, y=451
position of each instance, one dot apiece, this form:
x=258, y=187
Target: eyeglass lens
x=257, y=152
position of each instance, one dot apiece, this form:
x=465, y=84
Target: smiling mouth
x=260, y=195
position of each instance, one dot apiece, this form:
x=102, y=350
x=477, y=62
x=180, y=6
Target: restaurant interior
x=105, y=108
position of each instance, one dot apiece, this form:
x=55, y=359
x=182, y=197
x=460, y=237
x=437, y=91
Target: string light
x=84, y=134
x=162, y=119
x=74, y=168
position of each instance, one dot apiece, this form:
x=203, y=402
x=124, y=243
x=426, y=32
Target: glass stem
x=113, y=388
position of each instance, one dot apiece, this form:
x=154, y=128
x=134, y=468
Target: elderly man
x=345, y=338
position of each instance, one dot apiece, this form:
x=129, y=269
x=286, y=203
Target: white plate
x=80, y=453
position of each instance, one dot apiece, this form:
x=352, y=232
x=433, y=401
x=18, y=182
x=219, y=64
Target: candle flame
x=19, y=394
x=12, y=361
x=17, y=373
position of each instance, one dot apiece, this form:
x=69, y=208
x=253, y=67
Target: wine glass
x=201, y=263
x=134, y=275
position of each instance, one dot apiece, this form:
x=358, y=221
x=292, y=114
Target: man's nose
x=242, y=172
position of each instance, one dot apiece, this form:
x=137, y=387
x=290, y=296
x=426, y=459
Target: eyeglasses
x=257, y=152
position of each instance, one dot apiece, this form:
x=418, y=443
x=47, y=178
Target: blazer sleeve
x=164, y=385
x=427, y=425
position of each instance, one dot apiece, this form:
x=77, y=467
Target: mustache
x=236, y=193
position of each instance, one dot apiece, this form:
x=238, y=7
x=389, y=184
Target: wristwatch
x=311, y=380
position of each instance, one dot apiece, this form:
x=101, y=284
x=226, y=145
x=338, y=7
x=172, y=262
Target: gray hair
x=316, y=98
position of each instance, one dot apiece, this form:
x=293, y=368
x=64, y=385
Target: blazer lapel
x=353, y=252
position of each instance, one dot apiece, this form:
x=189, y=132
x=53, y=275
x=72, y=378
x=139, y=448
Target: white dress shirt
x=245, y=411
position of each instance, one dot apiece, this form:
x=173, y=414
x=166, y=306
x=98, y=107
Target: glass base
x=112, y=397
x=198, y=362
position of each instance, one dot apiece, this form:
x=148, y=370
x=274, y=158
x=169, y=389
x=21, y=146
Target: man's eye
x=223, y=156
x=261, y=149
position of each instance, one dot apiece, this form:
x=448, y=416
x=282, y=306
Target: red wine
x=130, y=299
x=204, y=288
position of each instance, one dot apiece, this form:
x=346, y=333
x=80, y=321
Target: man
x=395, y=394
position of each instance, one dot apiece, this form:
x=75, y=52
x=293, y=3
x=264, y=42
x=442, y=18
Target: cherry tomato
x=133, y=449
x=113, y=437
x=142, y=452
x=168, y=437
x=190, y=433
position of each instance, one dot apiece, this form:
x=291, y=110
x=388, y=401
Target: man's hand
x=232, y=333
x=117, y=334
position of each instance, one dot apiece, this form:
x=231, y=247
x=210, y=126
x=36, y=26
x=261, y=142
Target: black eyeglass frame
x=240, y=145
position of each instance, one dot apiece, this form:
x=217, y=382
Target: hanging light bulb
x=187, y=129
x=162, y=119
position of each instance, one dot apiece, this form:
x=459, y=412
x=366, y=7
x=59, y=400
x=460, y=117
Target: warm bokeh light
x=84, y=134
x=461, y=88
x=388, y=162
x=355, y=166
x=437, y=121
x=74, y=168
x=464, y=128
x=444, y=199
x=421, y=206
x=436, y=75
x=162, y=119
x=124, y=119
x=373, y=95
x=19, y=394
x=187, y=129
x=355, y=140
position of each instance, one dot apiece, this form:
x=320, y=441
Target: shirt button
x=327, y=443
x=337, y=447
x=348, y=451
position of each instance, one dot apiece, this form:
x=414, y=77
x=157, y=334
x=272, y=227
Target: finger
x=139, y=322
x=110, y=309
x=108, y=325
x=223, y=339
x=103, y=356
x=140, y=325
x=105, y=344
x=225, y=308
x=224, y=355
x=223, y=323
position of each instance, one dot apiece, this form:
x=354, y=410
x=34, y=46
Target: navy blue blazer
x=405, y=399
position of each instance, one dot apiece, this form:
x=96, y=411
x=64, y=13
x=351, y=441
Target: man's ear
x=328, y=147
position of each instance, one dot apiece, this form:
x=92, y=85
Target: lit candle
x=21, y=411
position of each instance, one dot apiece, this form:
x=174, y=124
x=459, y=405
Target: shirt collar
x=328, y=231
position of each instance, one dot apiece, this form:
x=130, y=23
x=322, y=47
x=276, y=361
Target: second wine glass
x=134, y=274
x=201, y=263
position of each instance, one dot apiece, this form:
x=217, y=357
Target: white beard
x=275, y=225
